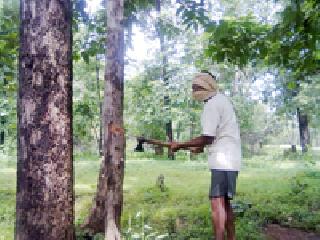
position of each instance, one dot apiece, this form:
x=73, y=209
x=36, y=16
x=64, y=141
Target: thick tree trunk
x=45, y=198
x=165, y=78
x=303, y=130
x=107, y=206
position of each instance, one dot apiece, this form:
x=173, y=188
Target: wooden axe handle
x=166, y=144
x=156, y=142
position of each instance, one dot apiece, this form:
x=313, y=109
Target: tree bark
x=100, y=109
x=165, y=78
x=45, y=197
x=107, y=205
x=303, y=130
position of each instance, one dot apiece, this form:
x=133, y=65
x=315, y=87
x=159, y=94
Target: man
x=220, y=132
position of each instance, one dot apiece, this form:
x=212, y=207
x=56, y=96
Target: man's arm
x=198, y=142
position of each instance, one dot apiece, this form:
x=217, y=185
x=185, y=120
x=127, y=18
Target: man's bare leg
x=219, y=217
x=230, y=226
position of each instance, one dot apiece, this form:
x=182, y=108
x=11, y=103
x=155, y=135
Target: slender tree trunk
x=107, y=206
x=303, y=130
x=3, y=118
x=178, y=131
x=2, y=126
x=100, y=109
x=192, y=155
x=45, y=198
x=165, y=78
x=114, y=139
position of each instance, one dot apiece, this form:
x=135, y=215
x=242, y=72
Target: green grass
x=278, y=189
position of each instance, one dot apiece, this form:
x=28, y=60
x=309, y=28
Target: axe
x=142, y=140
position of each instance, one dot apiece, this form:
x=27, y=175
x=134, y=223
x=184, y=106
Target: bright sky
x=139, y=53
x=93, y=5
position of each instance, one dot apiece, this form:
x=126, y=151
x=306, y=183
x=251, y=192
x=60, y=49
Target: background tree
x=164, y=72
x=106, y=211
x=44, y=198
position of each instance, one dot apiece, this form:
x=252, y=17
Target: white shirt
x=219, y=120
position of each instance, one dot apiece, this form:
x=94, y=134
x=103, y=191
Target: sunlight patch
x=8, y=170
x=83, y=187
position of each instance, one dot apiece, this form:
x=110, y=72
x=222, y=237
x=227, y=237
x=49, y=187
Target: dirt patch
x=276, y=232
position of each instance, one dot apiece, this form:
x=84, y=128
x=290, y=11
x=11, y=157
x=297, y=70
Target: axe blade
x=139, y=147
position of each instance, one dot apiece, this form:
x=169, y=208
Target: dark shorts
x=223, y=183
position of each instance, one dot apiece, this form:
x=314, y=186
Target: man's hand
x=141, y=139
x=174, y=146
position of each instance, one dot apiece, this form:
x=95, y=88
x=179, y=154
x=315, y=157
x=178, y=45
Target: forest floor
x=272, y=191
x=276, y=232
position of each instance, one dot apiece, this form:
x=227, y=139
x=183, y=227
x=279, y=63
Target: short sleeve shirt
x=219, y=120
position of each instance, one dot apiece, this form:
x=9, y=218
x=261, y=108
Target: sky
x=138, y=53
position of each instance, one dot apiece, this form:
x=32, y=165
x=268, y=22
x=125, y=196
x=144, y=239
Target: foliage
x=86, y=106
x=9, y=38
x=295, y=40
x=146, y=107
x=9, y=26
x=308, y=99
x=92, y=29
x=291, y=44
x=237, y=41
x=192, y=13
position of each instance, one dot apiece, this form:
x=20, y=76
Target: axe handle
x=157, y=142
x=166, y=144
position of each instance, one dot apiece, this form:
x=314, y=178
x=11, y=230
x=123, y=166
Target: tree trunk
x=303, y=130
x=45, y=198
x=178, y=131
x=3, y=117
x=2, y=127
x=107, y=206
x=100, y=109
x=192, y=155
x=165, y=78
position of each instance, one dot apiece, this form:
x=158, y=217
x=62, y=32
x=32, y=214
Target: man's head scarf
x=209, y=85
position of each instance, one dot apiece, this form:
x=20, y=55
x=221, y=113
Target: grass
x=271, y=188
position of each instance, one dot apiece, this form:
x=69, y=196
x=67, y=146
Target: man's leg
x=231, y=232
x=219, y=216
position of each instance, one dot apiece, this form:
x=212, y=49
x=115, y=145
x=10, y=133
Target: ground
x=276, y=232
x=272, y=189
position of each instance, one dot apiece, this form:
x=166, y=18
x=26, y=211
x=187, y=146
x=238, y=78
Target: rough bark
x=165, y=78
x=45, y=198
x=107, y=205
x=303, y=130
